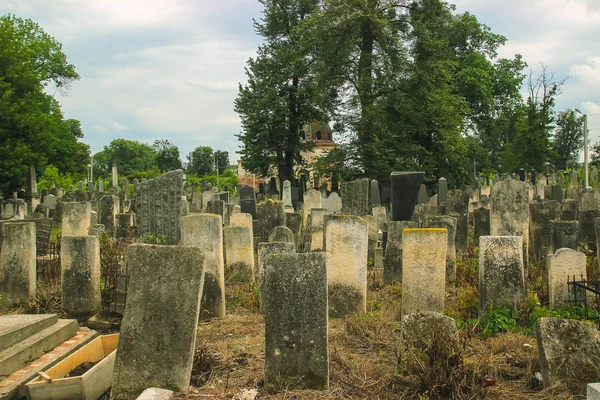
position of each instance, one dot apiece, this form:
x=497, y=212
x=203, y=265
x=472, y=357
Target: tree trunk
x=365, y=94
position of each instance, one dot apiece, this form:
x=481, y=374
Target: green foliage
x=167, y=155
x=222, y=160
x=130, y=156
x=51, y=173
x=152, y=239
x=568, y=140
x=227, y=181
x=201, y=161
x=32, y=128
x=499, y=319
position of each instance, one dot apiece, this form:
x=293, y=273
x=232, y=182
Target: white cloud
x=117, y=126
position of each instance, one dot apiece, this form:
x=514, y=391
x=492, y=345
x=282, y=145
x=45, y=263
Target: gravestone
x=481, y=223
x=557, y=193
x=423, y=270
x=270, y=215
x=539, y=227
x=509, y=211
x=589, y=199
x=346, y=245
x=17, y=263
x=333, y=203
x=109, y=208
x=239, y=253
x=457, y=205
x=76, y=218
x=587, y=229
x=205, y=231
x=501, y=272
x=216, y=207
x=159, y=206
x=522, y=177
x=162, y=279
x=375, y=196
x=125, y=224
x=448, y=223
x=563, y=234
x=392, y=262
x=282, y=234
x=562, y=266
x=263, y=250
x=380, y=214
x=294, y=222
x=423, y=197
x=356, y=197
x=224, y=196
x=442, y=191
x=80, y=273
x=287, y=194
x=372, y=235
x=296, y=344
x=569, y=352
x=315, y=229
x=312, y=199
x=404, y=194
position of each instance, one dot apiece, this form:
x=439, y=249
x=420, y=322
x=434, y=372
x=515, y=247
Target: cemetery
x=411, y=209
x=201, y=304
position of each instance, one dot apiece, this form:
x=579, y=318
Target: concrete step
x=15, y=328
x=22, y=353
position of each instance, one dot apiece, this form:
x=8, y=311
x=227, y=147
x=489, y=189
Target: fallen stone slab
x=156, y=394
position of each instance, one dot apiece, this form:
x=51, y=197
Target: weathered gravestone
x=76, y=218
x=163, y=279
x=457, y=205
x=481, y=223
x=282, y=234
x=17, y=263
x=539, y=227
x=509, y=212
x=294, y=222
x=205, y=231
x=423, y=270
x=442, y=191
x=264, y=250
x=332, y=203
x=315, y=228
x=563, y=234
x=216, y=207
x=375, y=196
x=423, y=198
x=557, y=193
x=296, y=345
x=287, y=194
x=448, y=223
x=356, y=199
x=239, y=253
x=373, y=233
x=501, y=272
x=80, y=273
x=125, y=224
x=346, y=245
x=312, y=199
x=569, y=352
x=270, y=215
x=159, y=206
x=392, y=263
x=562, y=266
x=587, y=229
x=404, y=194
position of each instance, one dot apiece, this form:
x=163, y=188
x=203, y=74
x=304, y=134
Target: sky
x=170, y=69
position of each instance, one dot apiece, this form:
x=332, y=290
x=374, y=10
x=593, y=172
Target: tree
x=221, y=160
x=129, y=156
x=167, y=155
x=567, y=140
x=280, y=96
x=32, y=127
x=201, y=161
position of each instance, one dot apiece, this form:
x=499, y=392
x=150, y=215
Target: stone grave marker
x=80, y=273
x=17, y=263
x=239, y=253
x=392, y=262
x=404, y=194
x=561, y=266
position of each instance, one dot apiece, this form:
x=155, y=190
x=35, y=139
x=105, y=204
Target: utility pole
x=585, y=149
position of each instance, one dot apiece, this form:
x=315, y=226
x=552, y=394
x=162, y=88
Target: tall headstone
x=312, y=199
x=481, y=223
x=373, y=230
x=541, y=213
x=404, y=194
x=533, y=177
x=423, y=197
x=296, y=322
x=17, y=263
x=457, y=205
x=263, y=250
x=424, y=270
x=76, y=218
x=115, y=177
x=109, y=208
x=80, y=273
x=287, y=194
x=239, y=253
x=205, y=231
x=522, y=175
x=375, y=196
x=563, y=234
x=356, y=197
x=501, y=272
x=315, y=229
x=562, y=266
x=159, y=206
x=448, y=223
x=442, y=191
x=32, y=196
x=346, y=242
x=270, y=215
x=294, y=222
x=509, y=214
x=248, y=201
x=163, y=300
x=392, y=263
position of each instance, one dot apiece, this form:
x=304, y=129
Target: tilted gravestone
x=159, y=206
x=205, y=231
x=296, y=343
x=163, y=279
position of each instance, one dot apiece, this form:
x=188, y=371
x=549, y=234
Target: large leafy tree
x=281, y=95
x=221, y=160
x=201, y=161
x=567, y=140
x=129, y=156
x=167, y=155
x=32, y=128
